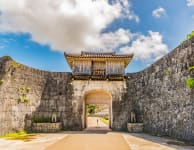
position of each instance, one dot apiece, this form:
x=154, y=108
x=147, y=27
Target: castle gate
x=97, y=96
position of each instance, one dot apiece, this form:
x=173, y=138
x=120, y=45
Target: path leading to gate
x=92, y=125
x=92, y=122
x=86, y=140
x=106, y=141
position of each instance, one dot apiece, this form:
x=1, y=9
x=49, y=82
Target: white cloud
x=190, y=2
x=74, y=25
x=159, y=12
x=126, y=10
x=112, y=40
x=147, y=47
x=66, y=25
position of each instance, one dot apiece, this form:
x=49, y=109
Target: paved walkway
x=147, y=142
x=85, y=140
x=92, y=125
x=92, y=122
x=109, y=141
x=40, y=143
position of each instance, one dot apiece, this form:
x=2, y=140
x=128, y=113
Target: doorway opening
x=97, y=116
x=97, y=106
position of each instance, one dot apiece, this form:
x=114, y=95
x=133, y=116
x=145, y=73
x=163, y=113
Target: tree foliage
x=90, y=109
x=189, y=36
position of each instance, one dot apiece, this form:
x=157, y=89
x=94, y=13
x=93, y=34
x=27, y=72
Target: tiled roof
x=98, y=55
x=91, y=56
x=84, y=53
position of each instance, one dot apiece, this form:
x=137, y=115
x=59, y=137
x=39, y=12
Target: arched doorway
x=99, y=97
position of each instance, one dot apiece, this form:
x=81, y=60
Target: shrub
x=26, y=99
x=168, y=72
x=15, y=64
x=41, y=120
x=104, y=120
x=21, y=89
x=1, y=82
x=190, y=82
x=191, y=68
x=106, y=117
x=27, y=89
x=23, y=94
x=21, y=99
x=90, y=109
x=189, y=36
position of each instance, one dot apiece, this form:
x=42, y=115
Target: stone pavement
x=144, y=141
x=93, y=140
x=109, y=141
x=92, y=122
x=42, y=141
x=92, y=125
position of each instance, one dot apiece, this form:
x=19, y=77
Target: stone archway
x=97, y=96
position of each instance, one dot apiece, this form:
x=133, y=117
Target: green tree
x=189, y=36
x=90, y=109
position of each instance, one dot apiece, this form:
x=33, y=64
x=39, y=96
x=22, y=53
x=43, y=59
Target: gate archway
x=97, y=96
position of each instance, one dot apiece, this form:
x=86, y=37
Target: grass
x=20, y=135
x=105, y=120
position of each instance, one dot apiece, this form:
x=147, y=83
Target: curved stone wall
x=27, y=92
x=159, y=94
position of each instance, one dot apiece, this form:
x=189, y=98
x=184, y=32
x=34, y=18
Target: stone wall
x=27, y=92
x=161, y=96
x=46, y=127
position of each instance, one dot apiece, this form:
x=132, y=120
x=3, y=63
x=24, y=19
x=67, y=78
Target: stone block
x=46, y=127
x=135, y=127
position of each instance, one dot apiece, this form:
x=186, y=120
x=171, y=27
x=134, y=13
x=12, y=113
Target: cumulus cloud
x=190, y=2
x=159, y=12
x=74, y=25
x=65, y=25
x=147, y=47
x=127, y=10
x=112, y=40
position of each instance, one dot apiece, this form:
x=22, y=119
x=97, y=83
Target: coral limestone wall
x=161, y=96
x=27, y=92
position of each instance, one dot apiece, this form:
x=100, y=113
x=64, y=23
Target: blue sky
x=148, y=28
